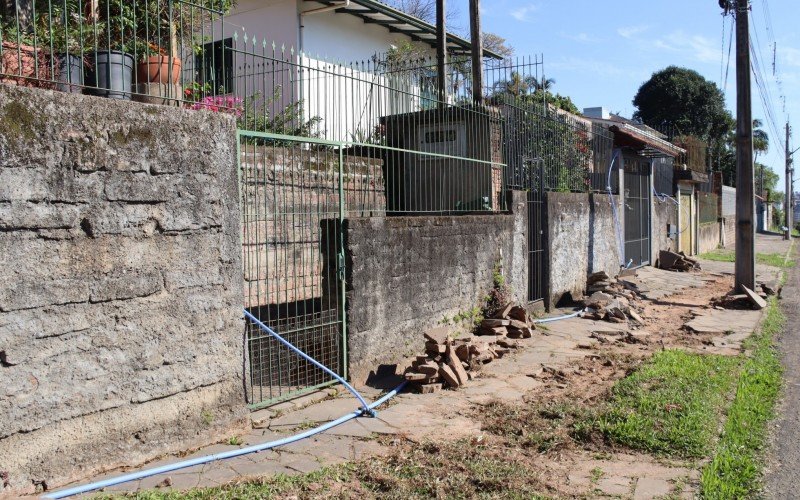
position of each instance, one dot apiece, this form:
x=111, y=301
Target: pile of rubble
x=672, y=261
x=452, y=362
x=611, y=299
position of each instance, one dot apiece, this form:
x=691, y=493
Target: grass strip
x=672, y=404
x=735, y=470
x=766, y=259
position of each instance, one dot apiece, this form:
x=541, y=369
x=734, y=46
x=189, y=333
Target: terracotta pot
x=155, y=69
x=24, y=65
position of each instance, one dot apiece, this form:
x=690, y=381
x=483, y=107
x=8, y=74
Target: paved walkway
x=417, y=416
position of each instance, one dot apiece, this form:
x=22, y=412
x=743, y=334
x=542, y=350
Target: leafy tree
x=681, y=99
x=497, y=44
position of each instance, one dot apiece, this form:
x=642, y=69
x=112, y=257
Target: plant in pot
x=71, y=34
x=113, y=29
x=23, y=60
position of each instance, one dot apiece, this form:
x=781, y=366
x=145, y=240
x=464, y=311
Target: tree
x=544, y=83
x=681, y=99
x=760, y=139
x=497, y=44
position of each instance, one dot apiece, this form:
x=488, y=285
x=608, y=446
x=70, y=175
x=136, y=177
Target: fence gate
x=530, y=178
x=637, y=212
x=291, y=204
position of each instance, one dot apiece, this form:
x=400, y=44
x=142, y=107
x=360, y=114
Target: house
x=331, y=57
x=646, y=159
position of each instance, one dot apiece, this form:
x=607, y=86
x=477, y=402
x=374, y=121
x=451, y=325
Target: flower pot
x=111, y=76
x=69, y=73
x=24, y=65
x=157, y=93
x=155, y=69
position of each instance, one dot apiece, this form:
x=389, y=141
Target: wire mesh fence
x=708, y=204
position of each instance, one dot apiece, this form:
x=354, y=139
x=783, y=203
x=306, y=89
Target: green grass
x=735, y=470
x=767, y=259
x=672, y=404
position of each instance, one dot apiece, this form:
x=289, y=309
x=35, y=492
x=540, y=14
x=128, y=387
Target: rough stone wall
x=120, y=330
x=665, y=216
x=406, y=274
x=708, y=236
x=582, y=239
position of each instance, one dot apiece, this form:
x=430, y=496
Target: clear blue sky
x=600, y=52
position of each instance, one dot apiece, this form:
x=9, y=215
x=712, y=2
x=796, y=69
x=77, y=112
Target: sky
x=600, y=52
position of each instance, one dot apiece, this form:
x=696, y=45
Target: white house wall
x=273, y=20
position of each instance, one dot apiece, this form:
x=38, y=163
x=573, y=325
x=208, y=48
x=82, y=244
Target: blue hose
x=220, y=456
x=558, y=318
x=364, y=407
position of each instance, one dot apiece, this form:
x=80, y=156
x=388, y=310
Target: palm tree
x=760, y=139
x=517, y=85
x=544, y=83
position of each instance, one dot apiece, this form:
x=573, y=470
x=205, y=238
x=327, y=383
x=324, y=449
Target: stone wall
x=120, y=330
x=582, y=239
x=407, y=274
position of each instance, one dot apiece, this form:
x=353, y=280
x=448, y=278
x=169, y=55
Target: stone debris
x=612, y=299
x=451, y=362
x=672, y=261
x=756, y=299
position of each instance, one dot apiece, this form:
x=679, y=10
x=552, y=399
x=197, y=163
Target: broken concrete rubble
x=672, y=261
x=450, y=362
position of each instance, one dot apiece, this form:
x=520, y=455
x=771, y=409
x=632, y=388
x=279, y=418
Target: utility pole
x=787, y=234
x=476, y=40
x=441, y=51
x=745, y=193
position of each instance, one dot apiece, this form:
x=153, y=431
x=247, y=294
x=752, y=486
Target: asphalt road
x=783, y=477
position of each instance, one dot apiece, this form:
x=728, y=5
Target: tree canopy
x=681, y=99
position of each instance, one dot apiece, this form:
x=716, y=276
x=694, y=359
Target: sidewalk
x=677, y=314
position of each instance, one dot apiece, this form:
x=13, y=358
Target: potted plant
x=22, y=58
x=70, y=35
x=111, y=71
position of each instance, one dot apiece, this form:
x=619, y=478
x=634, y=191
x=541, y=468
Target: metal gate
x=291, y=201
x=529, y=177
x=637, y=212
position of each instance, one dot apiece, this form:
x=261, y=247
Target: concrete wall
x=664, y=216
x=120, y=330
x=406, y=274
x=582, y=239
x=708, y=236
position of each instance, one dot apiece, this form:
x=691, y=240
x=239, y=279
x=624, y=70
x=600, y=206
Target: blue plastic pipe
x=558, y=318
x=313, y=361
x=220, y=456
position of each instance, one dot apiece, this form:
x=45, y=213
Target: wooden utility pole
x=745, y=193
x=441, y=51
x=476, y=39
x=787, y=234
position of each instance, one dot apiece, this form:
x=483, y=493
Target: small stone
x=503, y=314
x=429, y=368
x=415, y=376
x=430, y=388
x=493, y=323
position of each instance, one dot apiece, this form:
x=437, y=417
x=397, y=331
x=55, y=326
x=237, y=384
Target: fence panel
x=709, y=207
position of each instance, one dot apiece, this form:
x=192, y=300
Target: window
x=215, y=66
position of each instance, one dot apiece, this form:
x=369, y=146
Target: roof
x=645, y=141
x=396, y=21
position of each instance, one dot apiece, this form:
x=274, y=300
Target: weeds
x=766, y=259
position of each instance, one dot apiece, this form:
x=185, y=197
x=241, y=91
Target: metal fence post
x=342, y=275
